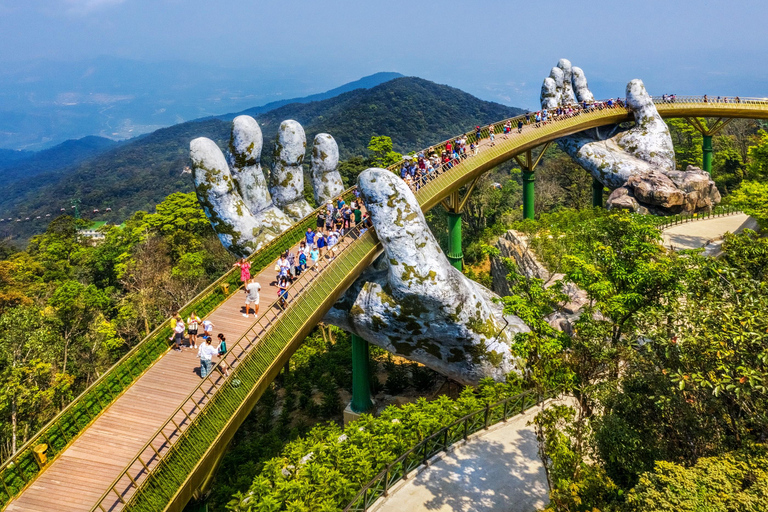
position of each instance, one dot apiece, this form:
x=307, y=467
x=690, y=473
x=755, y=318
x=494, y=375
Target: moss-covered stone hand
x=414, y=303
x=638, y=162
x=243, y=210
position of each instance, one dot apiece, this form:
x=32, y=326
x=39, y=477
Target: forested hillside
x=139, y=174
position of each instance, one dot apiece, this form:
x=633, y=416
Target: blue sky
x=496, y=49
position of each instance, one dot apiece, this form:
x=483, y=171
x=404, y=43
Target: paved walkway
x=496, y=471
x=706, y=233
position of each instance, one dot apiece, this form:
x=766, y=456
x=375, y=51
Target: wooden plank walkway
x=79, y=476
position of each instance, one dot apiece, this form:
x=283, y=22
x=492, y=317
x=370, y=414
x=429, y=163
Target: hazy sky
x=496, y=49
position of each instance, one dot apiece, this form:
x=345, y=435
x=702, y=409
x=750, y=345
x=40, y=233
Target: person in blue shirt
x=322, y=242
x=310, y=236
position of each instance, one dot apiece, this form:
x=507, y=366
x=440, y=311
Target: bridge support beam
x=706, y=150
x=455, y=255
x=597, y=193
x=706, y=134
x=529, y=188
x=361, y=376
x=529, y=180
x=455, y=204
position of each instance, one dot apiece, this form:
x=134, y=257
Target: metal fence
x=682, y=218
x=438, y=442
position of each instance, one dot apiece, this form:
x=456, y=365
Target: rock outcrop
x=513, y=246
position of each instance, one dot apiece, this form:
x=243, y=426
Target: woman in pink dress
x=245, y=269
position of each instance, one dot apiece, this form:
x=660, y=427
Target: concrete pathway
x=497, y=470
x=706, y=233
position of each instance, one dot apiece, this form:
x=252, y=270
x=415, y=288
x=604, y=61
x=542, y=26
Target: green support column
x=455, y=256
x=706, y=148
x=528, y=191
x=361, y=376
x=597, y=193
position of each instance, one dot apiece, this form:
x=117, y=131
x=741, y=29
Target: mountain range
x=137, y=174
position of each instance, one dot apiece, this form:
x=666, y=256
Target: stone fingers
x=326, y=180
x=287, y=180
x=649, y=139
x=245, y=149
x=580, y=87
x=233, y=222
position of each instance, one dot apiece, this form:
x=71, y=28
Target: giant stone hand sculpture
x=243, y=211
x=412, y=302
x=639, y=162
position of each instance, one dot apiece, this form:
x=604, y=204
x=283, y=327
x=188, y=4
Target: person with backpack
x=302, y=263
x=321, y=243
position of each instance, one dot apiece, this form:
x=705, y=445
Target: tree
x=752, y=198
x=30, y=382
x=757, y=164
x=383, y=155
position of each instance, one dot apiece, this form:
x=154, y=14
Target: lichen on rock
x=420, y=306
x=326, y=180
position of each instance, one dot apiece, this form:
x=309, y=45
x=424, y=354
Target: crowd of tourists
x=204, y=345
x=322, y=243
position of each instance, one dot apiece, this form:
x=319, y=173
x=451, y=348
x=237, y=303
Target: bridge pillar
x=597, y=193
x=361, y=376
x=529, y=181
x=706, y=149
x=454, y=205
x=455, y=255
x=706, y=135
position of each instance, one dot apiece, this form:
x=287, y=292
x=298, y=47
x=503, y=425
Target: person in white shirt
x=206, y=353
x=178, y=334
x=252, y=297
x=207, y=328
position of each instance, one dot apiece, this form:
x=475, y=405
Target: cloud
x=87, y=6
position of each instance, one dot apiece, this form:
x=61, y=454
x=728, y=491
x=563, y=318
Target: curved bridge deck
x=157, y=443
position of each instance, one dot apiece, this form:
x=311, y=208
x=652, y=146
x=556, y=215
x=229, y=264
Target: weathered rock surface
x=414, y=303
x=287, y=179
x=235, y=196
x=513, y=246
x=326, y=180
x=643, y=153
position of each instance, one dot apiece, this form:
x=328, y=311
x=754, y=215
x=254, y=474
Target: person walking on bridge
x=206, y=353
x=252, y=297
